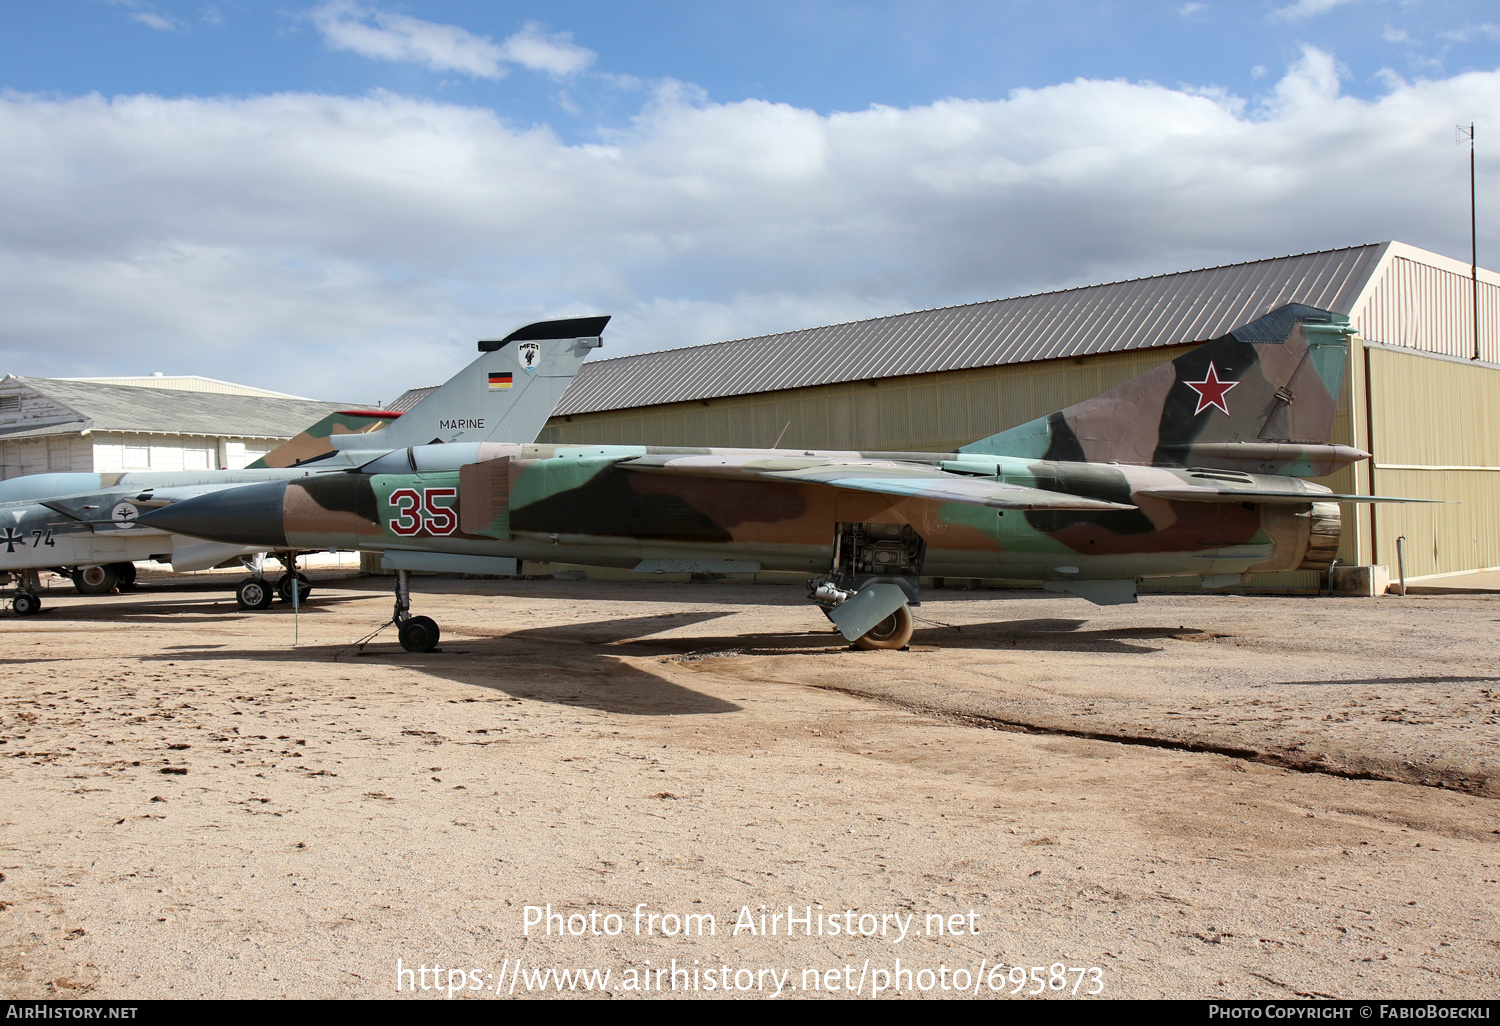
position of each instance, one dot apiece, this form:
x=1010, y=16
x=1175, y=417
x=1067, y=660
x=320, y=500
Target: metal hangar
x=1422, y=390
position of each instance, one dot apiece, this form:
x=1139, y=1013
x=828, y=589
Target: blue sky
x=319, y=196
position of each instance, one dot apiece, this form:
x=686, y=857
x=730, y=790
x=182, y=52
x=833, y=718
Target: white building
x=156, y=423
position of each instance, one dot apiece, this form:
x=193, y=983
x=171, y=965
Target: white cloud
x=1469, y=33
x=346, y=25
x=147, y=14
x=350, y=247
x=555, y=53
x=1303, y=9
x=1190, y=9
x=154, y=20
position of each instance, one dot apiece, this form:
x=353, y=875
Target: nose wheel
x=253, y=593
x=28, y=600
x=285, y=584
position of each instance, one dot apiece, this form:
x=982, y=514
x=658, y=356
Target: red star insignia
x=1211, y=390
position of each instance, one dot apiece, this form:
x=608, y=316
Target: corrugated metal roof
x=406, y=400
x=126, y=408
x=1142, y=313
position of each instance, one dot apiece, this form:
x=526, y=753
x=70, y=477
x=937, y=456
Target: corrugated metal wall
x=1418, y=306
x=919, y=413
x=1436, y=436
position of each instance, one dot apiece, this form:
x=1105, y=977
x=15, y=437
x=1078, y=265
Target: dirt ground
x=1212, y=796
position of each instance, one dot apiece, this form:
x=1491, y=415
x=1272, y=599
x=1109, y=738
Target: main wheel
x=419, y=634
x=95, y=580
x=125, y=574
x=25, y=604
x=253, y=593
x=284, y=589
x=892, y=632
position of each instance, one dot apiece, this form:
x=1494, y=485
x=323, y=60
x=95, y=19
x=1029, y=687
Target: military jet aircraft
x=1194, y=468
x=87, y=525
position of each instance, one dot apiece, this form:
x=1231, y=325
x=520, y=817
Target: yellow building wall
x=1436, y=436
x=920, y=413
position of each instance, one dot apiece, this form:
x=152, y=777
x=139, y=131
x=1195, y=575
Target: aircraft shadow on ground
x=571, y=664
x=80, y=609
x=1050, y=635
x=635, y=636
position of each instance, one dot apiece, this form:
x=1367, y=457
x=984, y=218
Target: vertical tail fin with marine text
x=506, y=395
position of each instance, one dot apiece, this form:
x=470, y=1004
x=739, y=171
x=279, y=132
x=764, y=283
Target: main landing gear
x=256, y=591
x=869, y=592
x=102, y=580
x=417, y=633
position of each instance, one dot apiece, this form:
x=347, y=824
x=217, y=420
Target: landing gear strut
x=417, y=633
x=28, y=600
x=284, y=583
x=873, y=583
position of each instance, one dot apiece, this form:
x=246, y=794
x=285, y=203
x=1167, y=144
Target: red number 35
x=416, y=511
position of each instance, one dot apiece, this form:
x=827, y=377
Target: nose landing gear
x=257, y=591
x=28, y=600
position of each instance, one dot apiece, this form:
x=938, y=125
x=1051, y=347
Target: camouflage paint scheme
x=1191, y=469
x=80, y=520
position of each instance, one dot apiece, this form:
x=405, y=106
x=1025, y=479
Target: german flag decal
x=500, y=379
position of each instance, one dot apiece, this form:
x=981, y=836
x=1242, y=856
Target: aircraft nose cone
x=249, y=514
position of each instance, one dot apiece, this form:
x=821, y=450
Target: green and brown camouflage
x=74, y=522
x=316, y=442
x=1260, y=399
x=1163, y=476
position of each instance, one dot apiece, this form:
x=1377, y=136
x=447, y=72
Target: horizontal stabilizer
x=885, y=477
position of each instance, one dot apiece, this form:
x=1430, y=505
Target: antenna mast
x=1473, y=234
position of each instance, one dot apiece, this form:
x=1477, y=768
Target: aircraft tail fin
x=504, y=396
x=1260, y=399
